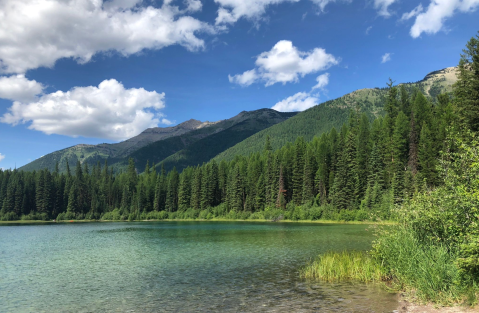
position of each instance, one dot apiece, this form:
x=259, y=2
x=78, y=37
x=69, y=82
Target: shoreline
x=202, y=220
x=405, y=306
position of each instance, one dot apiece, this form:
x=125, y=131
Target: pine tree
x=427, y=156
x=235, y=189
x=308, y=177
x=195, y=201
x=172, y=191
x=267, y=144
x=363, y=151
x=413, y=162
x=298, y=169
x=466, y=89
x=280, y=200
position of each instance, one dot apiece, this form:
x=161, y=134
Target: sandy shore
x=408, y=307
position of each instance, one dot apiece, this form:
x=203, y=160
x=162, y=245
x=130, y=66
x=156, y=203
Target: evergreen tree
x=466, y=89
x=298, y=170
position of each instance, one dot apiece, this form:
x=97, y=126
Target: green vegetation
x=344, y=266
x=433, y=252
x=334, y=113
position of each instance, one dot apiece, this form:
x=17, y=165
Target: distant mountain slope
x=205, y=149
x=156, y=144
x=334, y=113
x=93, y=153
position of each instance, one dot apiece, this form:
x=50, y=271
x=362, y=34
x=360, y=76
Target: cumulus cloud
x=108, y=111
x=413, y=13
x=386, y=58
x=36, y=33
x=323, y=81
x=382, y=6
x=303, y=100
x=2, y=157
x=19, y=88
x=432, y=20
x=299, y=102
x=231, y=11
x=285, y=63
x=193, y=5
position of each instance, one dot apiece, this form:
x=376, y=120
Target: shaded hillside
x=334, y=113
x=94, y=153
x=172, y=140
x=205, y=149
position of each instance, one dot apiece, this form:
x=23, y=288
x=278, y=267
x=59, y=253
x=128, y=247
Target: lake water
x=178, y=267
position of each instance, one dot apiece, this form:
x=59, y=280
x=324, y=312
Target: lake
x=178, y=267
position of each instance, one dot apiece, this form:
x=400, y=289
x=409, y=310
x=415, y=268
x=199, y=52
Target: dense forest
x=355, y=173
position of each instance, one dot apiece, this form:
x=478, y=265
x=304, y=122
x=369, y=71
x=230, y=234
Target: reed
x=344, y=266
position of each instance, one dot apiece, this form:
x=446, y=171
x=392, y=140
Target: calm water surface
x=177, y=267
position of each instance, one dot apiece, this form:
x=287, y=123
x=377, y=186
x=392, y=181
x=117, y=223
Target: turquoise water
x=177, y=267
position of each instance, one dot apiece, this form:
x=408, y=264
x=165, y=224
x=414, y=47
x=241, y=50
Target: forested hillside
x=156, y=144
x=334, y=113
x=91, y=154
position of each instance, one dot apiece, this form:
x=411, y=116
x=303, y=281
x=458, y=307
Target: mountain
x=156, y=144
x=205, y=149
x=334, y=113
x=194, y=142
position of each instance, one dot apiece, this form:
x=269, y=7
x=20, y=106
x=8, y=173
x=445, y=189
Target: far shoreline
x=200, y=220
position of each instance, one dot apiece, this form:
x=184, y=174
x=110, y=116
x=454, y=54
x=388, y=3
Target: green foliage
x=467, y=87
x=424, y=269
x=344, y=266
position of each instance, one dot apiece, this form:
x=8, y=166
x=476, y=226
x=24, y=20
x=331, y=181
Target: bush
x=112, y=215
x=315, y=213
x=257, y=216
x=425, y=268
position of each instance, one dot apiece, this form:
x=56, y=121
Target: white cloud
x=438, y=11
x=368, y=30
x=303, y=100
x=193, y=5
x=107, y=111
x=285, y=63
x=36, y=33
x=299, y=102
x=19, y=88
x=413, y=13
x=166, y=122
x=231, y=11
x=386, y=58
x=322, y=3
x=382, y=6
x=2, y=156
x=323, y=81
x=245, y=79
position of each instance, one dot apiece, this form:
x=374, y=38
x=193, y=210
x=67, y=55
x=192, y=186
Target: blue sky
x=93, y=71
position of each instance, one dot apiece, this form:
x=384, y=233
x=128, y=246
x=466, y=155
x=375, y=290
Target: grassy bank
x=202, y=220
x=426, y=273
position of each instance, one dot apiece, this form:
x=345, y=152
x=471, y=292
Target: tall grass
x=424, y=269
x=426, y=272
x=343, y=266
